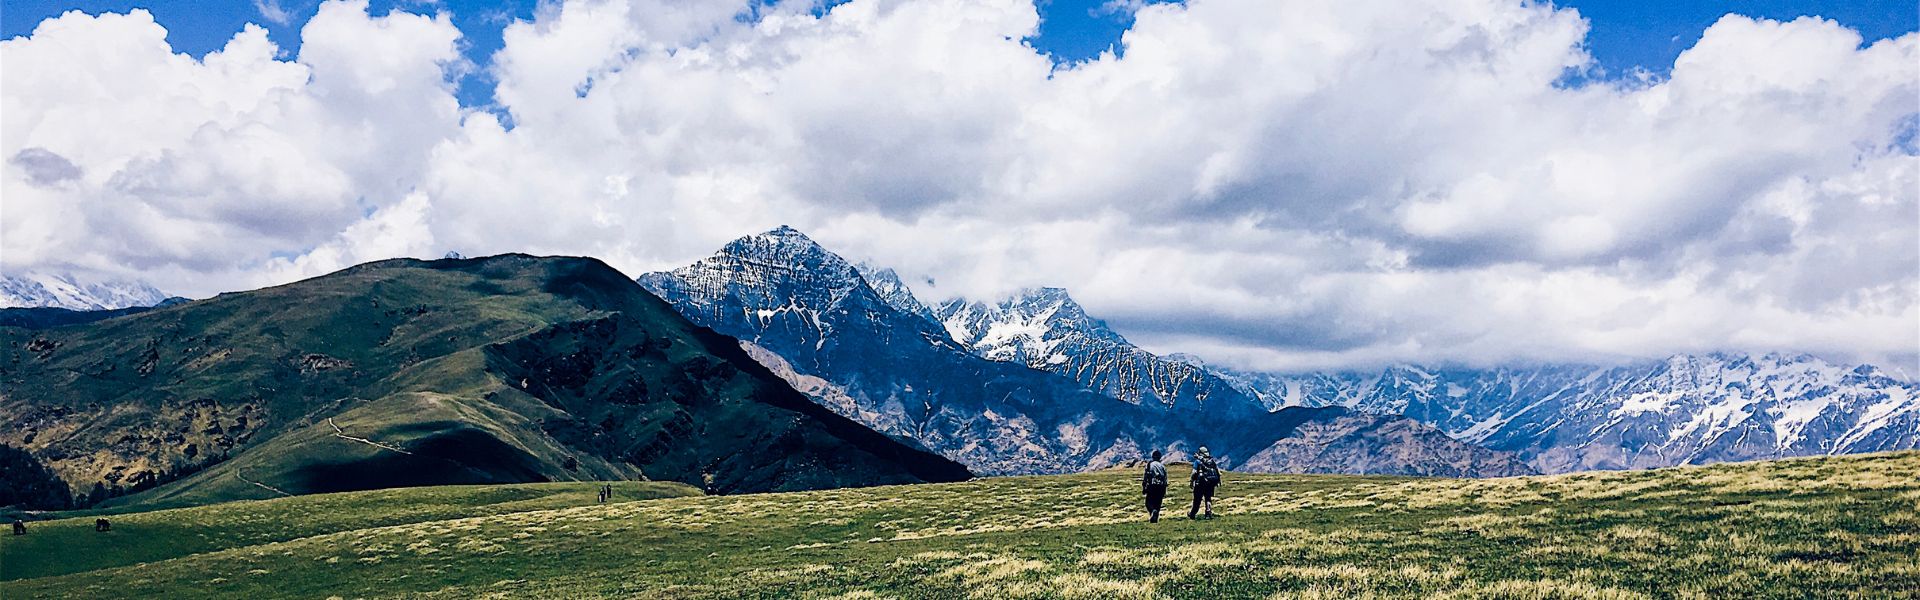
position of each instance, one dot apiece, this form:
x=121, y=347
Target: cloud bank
x=1281, y=185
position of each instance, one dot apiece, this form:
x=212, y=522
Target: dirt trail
x=342, y=434
x=242, y=476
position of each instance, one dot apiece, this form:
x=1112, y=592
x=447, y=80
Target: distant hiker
x=602, y=493
x=1206, y=476
x=19, y=526
x=606, y=493
x=102, y=525
x=1154, y=485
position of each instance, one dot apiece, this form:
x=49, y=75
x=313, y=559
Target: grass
x=1845, y=527
x=70, y=545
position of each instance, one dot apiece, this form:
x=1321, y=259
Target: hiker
x=19, y=526
x=1154, y=485
x=602, y=493
x=1206, y=476
x=102, y=525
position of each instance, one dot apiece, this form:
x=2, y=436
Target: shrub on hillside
x=27, y=484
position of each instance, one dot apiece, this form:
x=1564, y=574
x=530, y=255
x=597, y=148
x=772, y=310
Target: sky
x=1628, y=38
x=1292, y=185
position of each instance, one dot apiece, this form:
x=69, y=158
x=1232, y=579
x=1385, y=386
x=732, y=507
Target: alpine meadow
x=960, y=299
x=1825, y=527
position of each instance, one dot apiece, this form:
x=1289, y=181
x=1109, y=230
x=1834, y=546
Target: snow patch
x=1794, y=416
x=1898, y=401
x=1645, y=402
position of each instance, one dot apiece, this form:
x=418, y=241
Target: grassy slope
x=69, y=545
x=1830, y=527
x=416, y=373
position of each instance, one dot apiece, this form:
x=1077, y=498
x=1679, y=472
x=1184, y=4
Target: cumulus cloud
x=194, y=173
x=1278, y=185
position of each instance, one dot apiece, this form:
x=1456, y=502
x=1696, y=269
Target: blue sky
x=1626, y=35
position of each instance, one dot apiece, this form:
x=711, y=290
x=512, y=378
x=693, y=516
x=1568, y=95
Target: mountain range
x=42, y=290
x=403, y=372
x=776, y=364
x=1687, y=409
x=855, y=339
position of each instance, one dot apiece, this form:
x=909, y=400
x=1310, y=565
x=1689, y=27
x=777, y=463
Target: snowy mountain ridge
x=31, y=290
x=859, y=337
x=855, y=339
x=1685, y=409
x=1044, y=328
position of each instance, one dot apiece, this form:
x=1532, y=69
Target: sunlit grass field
x=1845, y=527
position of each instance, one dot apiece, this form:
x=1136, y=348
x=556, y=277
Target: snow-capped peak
x=788, y=246
x=1044, y=328
x=1025, y=323
x=64, y=291
x=781, y=280
x=1686, y=408
x=887, y=283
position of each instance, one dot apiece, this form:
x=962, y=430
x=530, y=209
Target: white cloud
x=194, y=172
x=1286, y=185
x=397, y=230
x=273, y=12
x=1118, y=7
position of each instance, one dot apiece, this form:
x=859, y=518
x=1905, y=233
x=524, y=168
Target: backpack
x=1209, y=471
x=1156, y=476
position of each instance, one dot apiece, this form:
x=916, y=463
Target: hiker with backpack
x=1206, y=477
x=1154, y=485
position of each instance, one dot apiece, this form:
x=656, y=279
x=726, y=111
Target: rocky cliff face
x=1343, y=441
x=869, y=351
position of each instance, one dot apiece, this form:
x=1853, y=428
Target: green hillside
x=70, y=545
x=1826, y=528
x=506, y=369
